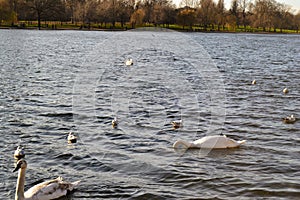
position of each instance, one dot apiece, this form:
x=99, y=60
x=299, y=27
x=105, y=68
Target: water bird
x=47, y=190
x=129, y=62
x=72, y=138
x=177, y=124
x=285, y=91
x=289, y=120
x=210, y=142
x=254, y=82
x=114, y=122
x=19, y=153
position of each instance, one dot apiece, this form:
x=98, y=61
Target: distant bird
x=177, y=124
x=114, y=122
x=289, y=120
x=72, y=138
x=285, y=91
x=129, y=62
x=210, y=142
x=254, y=82
x=47, y=190
x=19, y=153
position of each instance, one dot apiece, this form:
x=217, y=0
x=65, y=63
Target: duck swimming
x=19, y=153
x=72, y=138
x=289, y=120
x=177, y=124
x=47, y=190
x=210, y=142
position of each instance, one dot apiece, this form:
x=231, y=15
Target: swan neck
x=20, y=185
x=184, y=143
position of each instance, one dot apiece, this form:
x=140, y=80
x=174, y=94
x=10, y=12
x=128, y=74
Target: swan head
x=21, y=164
x=19, y=153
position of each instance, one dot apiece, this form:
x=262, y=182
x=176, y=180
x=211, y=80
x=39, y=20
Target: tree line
x=267, y=15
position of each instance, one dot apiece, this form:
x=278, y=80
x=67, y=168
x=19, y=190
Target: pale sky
x=294, y=3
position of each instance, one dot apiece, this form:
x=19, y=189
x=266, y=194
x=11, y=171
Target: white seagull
x=72, y=138
x=289, y=120
x=129, y=62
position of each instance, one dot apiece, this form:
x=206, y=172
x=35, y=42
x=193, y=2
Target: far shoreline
x=186, y=30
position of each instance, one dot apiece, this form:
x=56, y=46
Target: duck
x=254, y=82
x=19, y=153
x=72, y=138
x=210, y=142
x=129, y=62
x=285, y=91
x=114, y=122
x=289, y=120
x=177, y=124
x=47, y=190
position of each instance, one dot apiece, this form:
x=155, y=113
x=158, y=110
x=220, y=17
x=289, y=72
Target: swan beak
x=18, y=166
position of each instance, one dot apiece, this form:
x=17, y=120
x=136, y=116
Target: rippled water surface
x=53, y=82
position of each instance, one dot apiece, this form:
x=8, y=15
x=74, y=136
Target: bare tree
x=186, y=17
x=220, y=14
x=207, y=13
x=42, y=8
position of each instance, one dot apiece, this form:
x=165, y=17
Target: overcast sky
x=294, y=3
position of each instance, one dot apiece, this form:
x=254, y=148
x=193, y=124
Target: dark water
x=53, y=82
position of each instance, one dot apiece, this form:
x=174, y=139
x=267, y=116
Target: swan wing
x=50, y=189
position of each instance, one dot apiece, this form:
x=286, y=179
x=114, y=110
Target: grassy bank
x=127, y=26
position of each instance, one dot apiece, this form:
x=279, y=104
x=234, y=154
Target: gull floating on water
x=19, y=153
x=47, y=190
x=285, y=91
x=177, y=124
x=114, y=122
x=72, y=138
x=289, y=120
x=210, y=142
x=129, y=62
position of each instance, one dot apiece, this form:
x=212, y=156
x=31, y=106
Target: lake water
x=53, y=82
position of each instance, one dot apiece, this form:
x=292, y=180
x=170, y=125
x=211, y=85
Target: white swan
x=114, y=122
x=19, y=153
x=285, y=91
x=72, y=138
x=210, y=142
x=129, y=62
x=289, y=120
x=177, y=124
x=47, y=190
x=254, y=82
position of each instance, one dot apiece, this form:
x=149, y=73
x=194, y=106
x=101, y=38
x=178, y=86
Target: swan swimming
x=210, y=142
x=129, y=62
x=177, y=124
x=289, y=120
x=19, y=153
x=47, y=190
x=72, y=138
x=114, y=122
x=254, y=82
